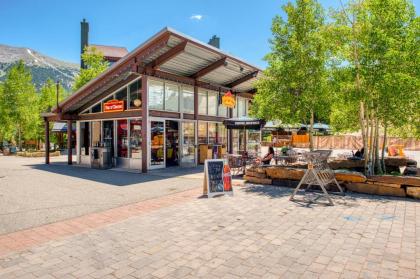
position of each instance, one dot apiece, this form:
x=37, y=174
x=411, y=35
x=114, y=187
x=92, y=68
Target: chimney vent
x=84, y=40
x=214, y=41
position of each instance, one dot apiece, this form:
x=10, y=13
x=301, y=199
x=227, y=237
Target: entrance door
x=108, y=135
x=188, y=143
x=157, y=144
x=172, y=143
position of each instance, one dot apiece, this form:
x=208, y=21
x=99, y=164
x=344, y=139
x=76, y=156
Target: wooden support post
x=69, y=148
x=47, y=141
x=196, y=122
x=144, y=126
x=230, y=134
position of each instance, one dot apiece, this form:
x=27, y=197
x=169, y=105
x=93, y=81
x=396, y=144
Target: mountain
x=41, y=66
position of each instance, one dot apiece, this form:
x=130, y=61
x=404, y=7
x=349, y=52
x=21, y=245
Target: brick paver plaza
x=257, y=233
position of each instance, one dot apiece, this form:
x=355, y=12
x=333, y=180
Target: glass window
x=188, y=144
x=222, y=110
x=253, y=142
x=242, y=134
x=212, y=133
x=135, y=94
x=235, y=109
x=202, y=132
x=188, y=99
x=97, y=108
x=171, y=97
x=135, y=138
x=122, y=96
x=122, y=138
x=221, y=134
x=235, y=141
x=241, y=107
x=156, y=95
x=202, y=102
x=212, y=103
x=157, y=156
x=96, y=133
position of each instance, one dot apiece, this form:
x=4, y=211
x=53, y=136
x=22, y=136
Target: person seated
x=266, y=160
x=360, y=153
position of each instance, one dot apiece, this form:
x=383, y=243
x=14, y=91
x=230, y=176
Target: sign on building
x=113, y=106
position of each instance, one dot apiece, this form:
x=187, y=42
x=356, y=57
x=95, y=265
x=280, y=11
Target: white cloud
x=196, y=17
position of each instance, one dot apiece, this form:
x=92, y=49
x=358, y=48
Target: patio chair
x=236, y=164
x=318, y=173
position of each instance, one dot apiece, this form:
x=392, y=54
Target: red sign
x=113, y=106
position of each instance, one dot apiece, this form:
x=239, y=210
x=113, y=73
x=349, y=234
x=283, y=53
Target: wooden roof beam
x=242, y=79
x=167, y=55
x=213, y=66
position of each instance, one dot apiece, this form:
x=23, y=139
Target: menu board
x=217, y=178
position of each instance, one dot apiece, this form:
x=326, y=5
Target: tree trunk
x=19, y=138
x=383, y=148
x=370, y=165
x=311, y=132
x=364, y=133
x=377, y=161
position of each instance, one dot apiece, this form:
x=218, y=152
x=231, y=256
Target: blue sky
x=52, y=27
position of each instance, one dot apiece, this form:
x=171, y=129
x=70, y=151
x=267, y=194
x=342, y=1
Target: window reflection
x=135, y=138
x=135, y=94
x=202, y=132
x=156, y=95
x=122, y=96
x=212, y=133
x=171, y=97
x=122, y=138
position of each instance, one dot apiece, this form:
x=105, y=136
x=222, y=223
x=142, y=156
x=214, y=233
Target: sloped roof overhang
x=171, y=55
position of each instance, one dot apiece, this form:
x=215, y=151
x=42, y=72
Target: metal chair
x=318, y=173
x=236, y=164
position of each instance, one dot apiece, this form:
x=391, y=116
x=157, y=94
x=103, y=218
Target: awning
x=61, y=127
x=244, y=123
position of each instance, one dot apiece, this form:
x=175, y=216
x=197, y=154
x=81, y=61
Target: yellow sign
x=228, y=100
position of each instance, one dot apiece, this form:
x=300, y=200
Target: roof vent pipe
x=84, y=40
x=214, y=41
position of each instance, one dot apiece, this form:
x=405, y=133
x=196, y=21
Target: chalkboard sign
x=215, y=178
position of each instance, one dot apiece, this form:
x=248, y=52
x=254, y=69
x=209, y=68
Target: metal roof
x=186, y=56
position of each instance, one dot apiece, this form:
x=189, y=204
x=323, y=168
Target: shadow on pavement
x=350, y=199
x=117, y=178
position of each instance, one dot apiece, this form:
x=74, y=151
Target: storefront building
x=160, y=105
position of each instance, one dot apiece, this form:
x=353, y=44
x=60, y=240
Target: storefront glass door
x=157, y=144
x=188, y=143
x=171, y=143
x=108, y=135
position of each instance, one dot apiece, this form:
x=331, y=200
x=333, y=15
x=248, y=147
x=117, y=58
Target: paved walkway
x=257, y=233
x=33, y=194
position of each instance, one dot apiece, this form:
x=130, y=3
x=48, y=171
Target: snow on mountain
x=41, y=66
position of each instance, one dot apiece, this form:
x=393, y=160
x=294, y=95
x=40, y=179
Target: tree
x=293, y=88
x=95, y=64
x=47, y=96
x=47, y=99
x=18, y=105
x=379, y=48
